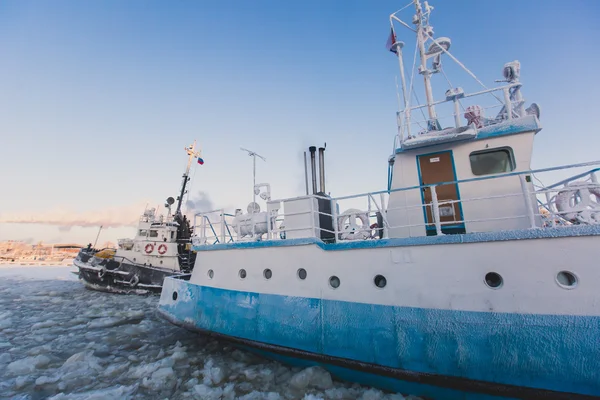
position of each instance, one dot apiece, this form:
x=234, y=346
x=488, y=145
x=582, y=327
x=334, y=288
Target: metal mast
x=253, y=155
x=192, y=153
x=422, y=35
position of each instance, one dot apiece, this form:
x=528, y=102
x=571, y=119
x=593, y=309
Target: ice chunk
x=5, y=320
x=163, y=378
x=41, y=325
x=22, y=381
x=133, y=317
x=213, y=375
x=315, y=377
x=111, y=393
x=82, y=360
x=114, y=370
x=205, y=392
x=256, y=395
x=5, y=358
x=27, y=365
x=44, y=349
x=191, y=383
x=43, y=380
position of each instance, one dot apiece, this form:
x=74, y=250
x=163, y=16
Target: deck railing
x=532, y=205
x=451, y=110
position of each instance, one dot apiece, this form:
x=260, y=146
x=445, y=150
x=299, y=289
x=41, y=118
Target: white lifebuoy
x=575, y=204
x=349, y=229
x=149, y=248
x=162, y=249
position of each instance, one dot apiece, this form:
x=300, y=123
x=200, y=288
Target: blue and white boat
x=466, y=278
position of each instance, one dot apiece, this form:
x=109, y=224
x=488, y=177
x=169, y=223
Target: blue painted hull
x=434, y=353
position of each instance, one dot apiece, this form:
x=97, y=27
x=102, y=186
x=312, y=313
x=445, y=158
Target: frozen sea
x=61, y=341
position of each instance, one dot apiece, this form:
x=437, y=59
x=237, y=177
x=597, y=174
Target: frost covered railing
x=212, y=227
x=575, y=200
x=377, y=215
x=459, y=110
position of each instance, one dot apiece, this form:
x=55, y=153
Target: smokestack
x=313, y=166
x=305, y=173
x=322, y=168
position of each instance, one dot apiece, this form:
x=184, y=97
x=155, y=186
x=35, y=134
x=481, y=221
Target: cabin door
x=436, y=168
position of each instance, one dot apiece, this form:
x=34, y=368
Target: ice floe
x=60, y=341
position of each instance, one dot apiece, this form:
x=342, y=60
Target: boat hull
x=381, y=345
x=436, y=325
x=120, y=277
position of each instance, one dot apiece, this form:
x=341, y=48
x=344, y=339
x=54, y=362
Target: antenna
x=97, y=236
x=253, y=155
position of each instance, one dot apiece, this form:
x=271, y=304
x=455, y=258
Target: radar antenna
x=253, y=155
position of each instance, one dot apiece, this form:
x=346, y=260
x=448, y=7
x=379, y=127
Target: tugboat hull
x=109, y=275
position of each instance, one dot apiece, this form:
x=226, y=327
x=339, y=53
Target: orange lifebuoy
x=149, y=248
x=162, y=249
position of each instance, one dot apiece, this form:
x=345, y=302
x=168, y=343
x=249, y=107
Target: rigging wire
x=451, y=87
x=403, y=8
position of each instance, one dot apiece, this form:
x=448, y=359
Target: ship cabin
x=451, y=172
x=154, y=244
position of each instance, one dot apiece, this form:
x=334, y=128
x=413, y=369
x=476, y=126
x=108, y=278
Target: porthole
x=267, y=273
x=301, y=273
x=566, y=280
x=174, y=296
x=334, y=282
x=242, y=273
x=380, y=281
x=134, y=259
x=161, y=261
x=210, y=274
x=493, y=280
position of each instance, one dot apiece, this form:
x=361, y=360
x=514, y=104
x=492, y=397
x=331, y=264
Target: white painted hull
x=436, y=315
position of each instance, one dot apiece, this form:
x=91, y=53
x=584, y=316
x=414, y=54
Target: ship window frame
x=144, y=234
x=153, y=233
x=512, y=165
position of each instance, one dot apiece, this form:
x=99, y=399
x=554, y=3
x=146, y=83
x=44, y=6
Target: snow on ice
x=60, y=341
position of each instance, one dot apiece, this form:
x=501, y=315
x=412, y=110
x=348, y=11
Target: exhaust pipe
x=305, y=174
x=313, y=166
x=322, y=168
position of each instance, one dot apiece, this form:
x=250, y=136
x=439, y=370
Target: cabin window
x=153, y=234
x=143, y=232
x=493, y=161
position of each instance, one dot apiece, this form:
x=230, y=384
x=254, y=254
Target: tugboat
x=454, y=282
x=160, y=248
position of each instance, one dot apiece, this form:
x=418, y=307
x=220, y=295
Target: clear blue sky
x=98, y=98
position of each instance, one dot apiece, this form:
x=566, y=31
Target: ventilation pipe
x=306, y=174
x=322, y=168
x=313, y=167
